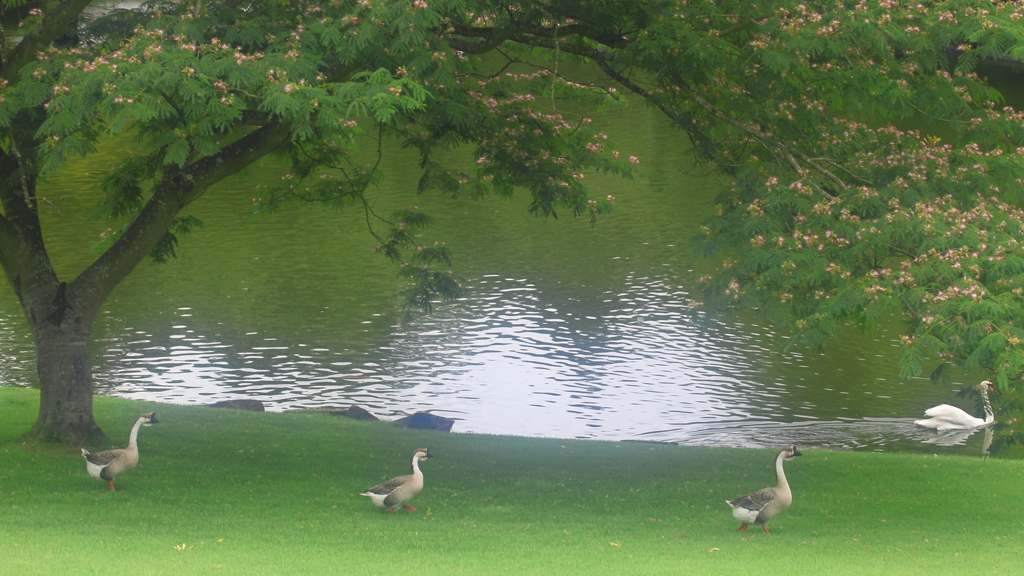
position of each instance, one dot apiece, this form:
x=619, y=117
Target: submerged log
x=250, y=405
x=353, y=412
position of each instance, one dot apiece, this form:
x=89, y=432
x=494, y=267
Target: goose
x=398, y=491
x=946, y=417
x=761, y=506
x=110, y=464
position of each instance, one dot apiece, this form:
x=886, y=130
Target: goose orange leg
x=744, y=526
x=764, y=528
x=409, y=508
x=111, y=484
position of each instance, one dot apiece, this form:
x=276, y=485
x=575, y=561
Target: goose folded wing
x=103, y=458
x=389, y=486
x=755, y=500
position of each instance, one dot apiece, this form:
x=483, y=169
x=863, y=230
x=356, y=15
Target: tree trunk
x=65, y=381
x=61, y=330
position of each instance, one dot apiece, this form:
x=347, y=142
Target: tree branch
x=495, y=38
x=172, y=194
x=21, y=221
x=800, y=162
x=55, y=21
x=533, y=35
x=8, y=236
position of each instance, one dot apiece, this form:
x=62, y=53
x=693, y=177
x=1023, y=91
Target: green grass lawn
x=227, y=492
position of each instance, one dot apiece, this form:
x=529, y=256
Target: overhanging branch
x=490, y=35
x=173, y=193
x=800, y=163
x=55, y=21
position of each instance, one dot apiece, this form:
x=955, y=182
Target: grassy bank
x=226, y=492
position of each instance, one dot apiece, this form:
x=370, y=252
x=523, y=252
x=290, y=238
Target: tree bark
x=65, y=381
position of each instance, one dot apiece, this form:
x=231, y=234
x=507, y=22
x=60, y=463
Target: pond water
x=568, y=330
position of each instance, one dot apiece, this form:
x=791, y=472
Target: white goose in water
x=946, y=417
x=761, y=506
x=398, y=491
x=110, y=464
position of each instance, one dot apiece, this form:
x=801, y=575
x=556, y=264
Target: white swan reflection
x=959, y=438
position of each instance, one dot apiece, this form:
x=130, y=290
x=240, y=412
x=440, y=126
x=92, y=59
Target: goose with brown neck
x=761, y=506
x=109, y=464
x=398, y=491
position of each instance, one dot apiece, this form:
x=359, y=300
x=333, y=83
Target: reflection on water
x=568, y=330
x=960, y=437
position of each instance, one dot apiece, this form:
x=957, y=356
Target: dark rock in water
x=427, y=421
x=250, y=405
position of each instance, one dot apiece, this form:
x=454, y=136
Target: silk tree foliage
x=831, y=214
